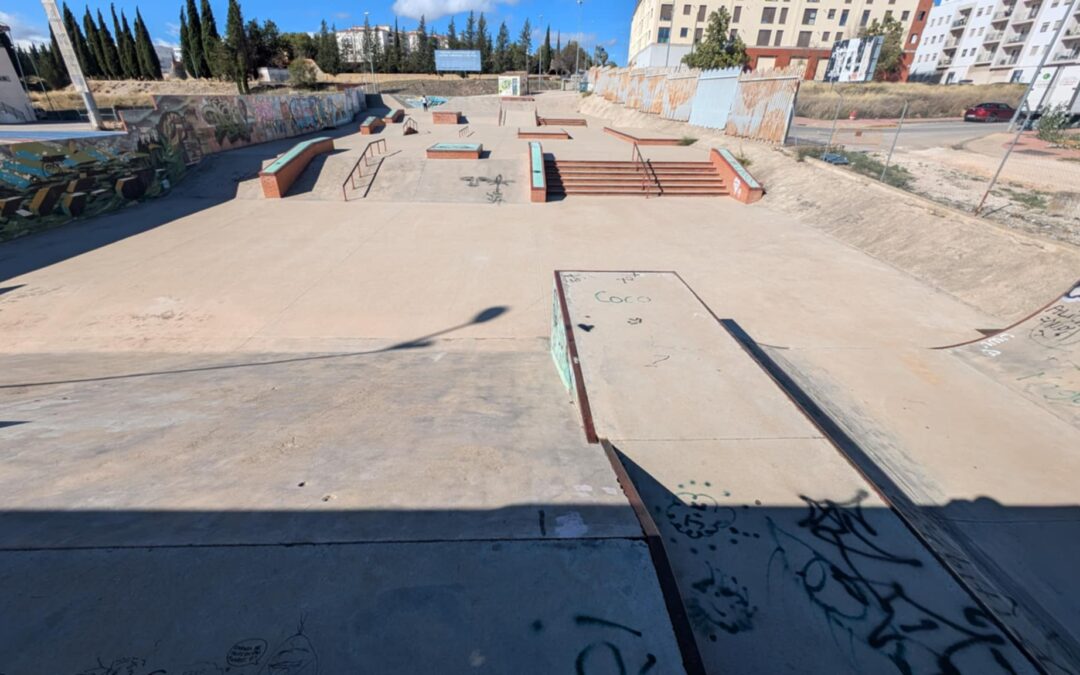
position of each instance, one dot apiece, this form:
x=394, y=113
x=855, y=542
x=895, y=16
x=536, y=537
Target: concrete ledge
x=630, y=138
x=536, y=134
x=394, y=116
x=371, y=125
x=277, y=178
x=538, y=174
x=445, y=117
x=744, y=187
x=562, y=122
x=455, y=151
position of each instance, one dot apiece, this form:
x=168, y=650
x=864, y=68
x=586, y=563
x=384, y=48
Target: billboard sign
x=854, y=60
x=457, y=60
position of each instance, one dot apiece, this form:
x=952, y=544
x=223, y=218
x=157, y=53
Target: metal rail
x=410, y=123
x=648, y=173
x=365, y=159
x=463, y=132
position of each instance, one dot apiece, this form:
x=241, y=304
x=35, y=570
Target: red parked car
x=989, y=112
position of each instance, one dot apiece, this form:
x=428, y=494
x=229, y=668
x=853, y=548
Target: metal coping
x=537, y=157
x=738, y=167
x=456, y=147
x=370, y=119
x=292, y=154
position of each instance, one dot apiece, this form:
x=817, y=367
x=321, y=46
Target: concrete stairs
x=599, y=178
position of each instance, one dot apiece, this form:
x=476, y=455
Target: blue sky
x=604, y=22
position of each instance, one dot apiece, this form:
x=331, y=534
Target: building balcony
x=1026, y=18
x=959, y=24
x=1072, y=34
x=1016, y=38
x=993, y=37
x=984, y=58
x=944, y=62
x=1006, y=61
x=1066, y=55
x=1002, y=16
x=951, y=44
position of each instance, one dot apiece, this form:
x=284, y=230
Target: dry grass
x=886, y=99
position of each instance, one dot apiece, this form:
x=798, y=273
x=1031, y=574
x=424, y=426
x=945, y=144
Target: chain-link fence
x=954, y=162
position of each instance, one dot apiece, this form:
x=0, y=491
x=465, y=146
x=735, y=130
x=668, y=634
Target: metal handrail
x=410, y=123
x=464, y=131
x=648, y=173
x=380, y=147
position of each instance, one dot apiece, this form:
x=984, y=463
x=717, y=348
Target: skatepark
x=407, y=418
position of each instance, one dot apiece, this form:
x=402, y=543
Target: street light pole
x=541, y=53
x=577, y=57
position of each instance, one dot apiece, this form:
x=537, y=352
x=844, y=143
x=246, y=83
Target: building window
x=763, y=37
x=1045, y=27
x=698, y=32
x=832, y=14
x=865, y=17
x=686, y=10
x=783, y=15
x=904, y=15
x=809, y=17
x=843, y=17
x=825, y=36
x=914, y=38
x=839, y=37
x=768, y=15
x=683, y=32
x=666, y=12
x=779, y=37
x=737, y=14
x=701, y=12
x=922, y=16
x=663, y=36
x=804, y=38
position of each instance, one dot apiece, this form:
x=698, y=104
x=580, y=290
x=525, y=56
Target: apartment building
x=778, y=33
x=351, y=41
x=983, y=41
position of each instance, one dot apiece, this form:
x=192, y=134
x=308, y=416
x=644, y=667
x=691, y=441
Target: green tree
x=93, y=43
x=78, y=41
x=302, y=73
x=483, y=43
x=50, y=65
x=185, y=46
x=109, y=50
x=236, y=48
x=524, y=46
x=891, y=61
x=469, y=36
x=394, y=62
x=327, y=54
x=129, y=61
x=718, y=49
x=149, y=64
x=300, y=45
x=500, y=60
x=451, y=36
x=368, y=45
x=600, y=56
x=545, y=52
x=210, y=41
x=198, y=57
x=267, y=46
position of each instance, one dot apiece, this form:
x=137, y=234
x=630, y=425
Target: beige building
x=778, y=33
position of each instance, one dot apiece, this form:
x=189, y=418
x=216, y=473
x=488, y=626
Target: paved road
x=914, y=136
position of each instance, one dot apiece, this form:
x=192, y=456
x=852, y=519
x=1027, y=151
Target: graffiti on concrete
x=735, y=558
x=294, y=655
x=46, y=184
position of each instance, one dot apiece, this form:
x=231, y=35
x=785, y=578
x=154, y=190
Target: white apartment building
x=777, y=33
x=351, y=41
x=982, y=41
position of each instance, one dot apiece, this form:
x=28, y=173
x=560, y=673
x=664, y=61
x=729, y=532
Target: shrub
x=302, y=74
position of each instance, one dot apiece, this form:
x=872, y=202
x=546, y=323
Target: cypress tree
x=469, y=37
x=149, y=64
x=108, y=50
x=500, y=60
x=126, y=50
x=78, y=41
x=51, y=65
x=236, y=46
x=133, y=52
x=545, y=57
x=198, y=59
x=483, y=43
x=211, y=40
x=93, y=43
x=451, y=36
x=185, y=46
x=399, y=48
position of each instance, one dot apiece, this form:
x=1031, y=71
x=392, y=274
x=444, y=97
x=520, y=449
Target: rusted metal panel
x=763, y=108
x=653, y=99
x=624, y=86
x=678, y=94
x=714, y=97
x=633, y=91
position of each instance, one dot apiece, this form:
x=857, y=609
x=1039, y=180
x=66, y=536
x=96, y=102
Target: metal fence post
x=899, y=126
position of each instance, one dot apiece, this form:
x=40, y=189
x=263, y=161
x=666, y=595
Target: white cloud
x=436, y=9
x=342, y=15
x=172, y=29
x=24, y=32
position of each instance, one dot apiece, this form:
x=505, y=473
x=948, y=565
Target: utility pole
x=72, y=62
x=580, y=37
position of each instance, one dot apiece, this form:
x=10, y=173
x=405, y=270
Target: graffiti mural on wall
x=47, y=184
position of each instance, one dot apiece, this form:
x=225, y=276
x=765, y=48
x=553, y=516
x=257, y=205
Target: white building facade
x=984, y=41
x=351, y=42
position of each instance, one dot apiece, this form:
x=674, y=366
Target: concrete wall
x=15, y=107
x=48, y=184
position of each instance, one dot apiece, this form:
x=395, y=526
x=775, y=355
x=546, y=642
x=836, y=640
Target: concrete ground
x=215, y=408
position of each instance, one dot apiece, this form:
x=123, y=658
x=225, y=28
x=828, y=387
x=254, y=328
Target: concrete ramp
x=786, y=559
x=518, y=114
x=1039, y=356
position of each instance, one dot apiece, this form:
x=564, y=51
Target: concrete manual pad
x=464, y=607
x=256, y=449
x=786, y=558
